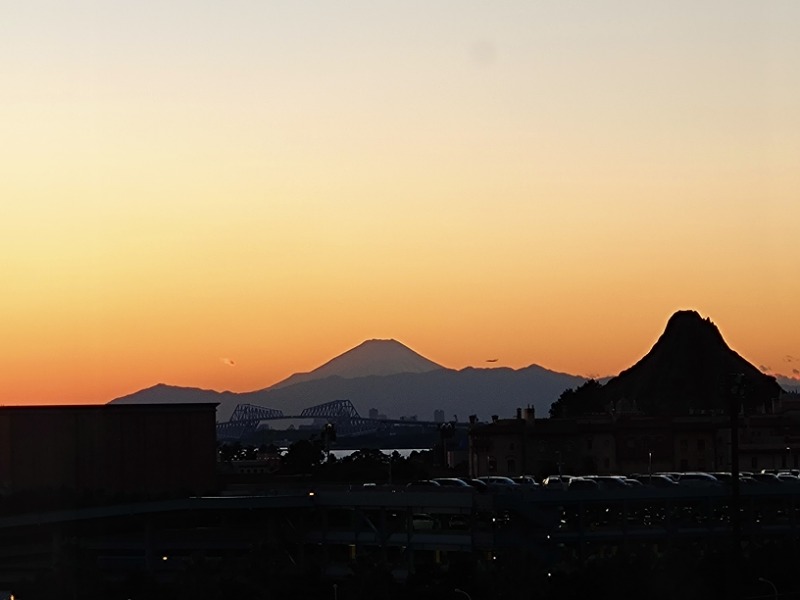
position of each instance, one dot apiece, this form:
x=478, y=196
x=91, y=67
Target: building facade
x=608, y=444
x=142, y=450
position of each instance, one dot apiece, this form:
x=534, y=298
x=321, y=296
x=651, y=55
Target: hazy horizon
x=222, y=195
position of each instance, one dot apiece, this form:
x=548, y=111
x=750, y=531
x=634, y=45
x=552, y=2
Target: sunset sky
x=220, y=194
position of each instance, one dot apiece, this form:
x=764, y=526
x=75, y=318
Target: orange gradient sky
x=187, y=185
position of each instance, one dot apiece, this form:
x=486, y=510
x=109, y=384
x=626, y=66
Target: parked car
x=726, y=478
x=478, y=485
x=582, y=483
x=610, y=482
x=788, y=478
x=423, y=522
x=698, y=479
x=655, y=480
x=526, y=481
x=461, y=521
x=500, y=483
x=451, y=482
x=556, y=482
x=766, y=478
x=423, y=483
x=795, y=472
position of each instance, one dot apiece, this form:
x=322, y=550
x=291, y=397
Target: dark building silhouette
x=628, y=443
x=114, y=449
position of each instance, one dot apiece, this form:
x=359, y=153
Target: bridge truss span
x=337, y=409
x=245, y=420
x=342, y=414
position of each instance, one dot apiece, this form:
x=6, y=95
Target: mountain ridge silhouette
x=393, y=379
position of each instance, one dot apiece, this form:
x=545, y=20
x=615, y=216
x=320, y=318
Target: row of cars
x=716, y=479
x=480, y=484
x=692, y=479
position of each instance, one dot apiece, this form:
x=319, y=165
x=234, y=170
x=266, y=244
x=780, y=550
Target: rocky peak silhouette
x=689, y=370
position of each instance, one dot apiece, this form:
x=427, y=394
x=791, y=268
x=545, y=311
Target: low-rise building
x=607, y=444
x=141, y=450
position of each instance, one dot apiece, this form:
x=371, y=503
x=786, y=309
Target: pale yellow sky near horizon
x=222, y=194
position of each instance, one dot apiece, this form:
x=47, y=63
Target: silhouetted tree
x=586, y=399
x=303, y=456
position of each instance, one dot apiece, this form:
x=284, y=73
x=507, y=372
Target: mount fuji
x=393, y=379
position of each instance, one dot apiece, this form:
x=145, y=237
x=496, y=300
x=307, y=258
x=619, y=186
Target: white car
x=557, y=482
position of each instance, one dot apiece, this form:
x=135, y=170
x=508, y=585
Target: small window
x=491, y=464
x=701, y=445
x=684, y=464
x=684, y=444
x=511, y=446
x=588, y=443
x=511, y=466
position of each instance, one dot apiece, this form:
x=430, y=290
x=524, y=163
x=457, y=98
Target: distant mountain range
x=394, y=380
x=688, y=369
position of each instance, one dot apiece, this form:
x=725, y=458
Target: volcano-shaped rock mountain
x=689, y=370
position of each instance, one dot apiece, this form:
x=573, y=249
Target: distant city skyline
x=220, y=196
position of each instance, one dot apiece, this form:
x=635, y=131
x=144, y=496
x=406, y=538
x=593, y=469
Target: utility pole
x=446, y=431
x=735, y=404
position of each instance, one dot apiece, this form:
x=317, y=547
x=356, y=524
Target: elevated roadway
x=330, y=525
